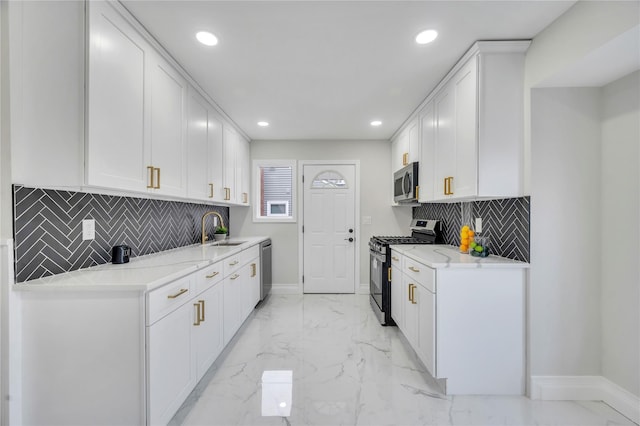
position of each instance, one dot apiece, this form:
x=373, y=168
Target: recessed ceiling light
x=426, y=36
x=376, y=123
x=263, y=123
x=207, y=38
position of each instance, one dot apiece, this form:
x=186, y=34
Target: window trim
x=257, y=191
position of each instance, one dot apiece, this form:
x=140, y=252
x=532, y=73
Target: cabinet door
x=413, y=147
x=397, y=300
x=465, y=182
x=208, y=329
x=410, y=311
x=250, y=295
x=427, y=153
x=168, y=128
x=232, y=308
x=117, y=153
x=198, y=152
x=171, y=363
x=216, y=161
x=445, y=142
x=229, y=148
x=426, y=303
x=243, y=172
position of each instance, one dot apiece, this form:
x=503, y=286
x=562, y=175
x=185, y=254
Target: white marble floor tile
x=349, y=370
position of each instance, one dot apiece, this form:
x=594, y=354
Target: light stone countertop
x=445, y=256
x=142, y=273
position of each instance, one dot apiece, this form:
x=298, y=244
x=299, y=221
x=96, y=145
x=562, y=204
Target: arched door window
x=329, y=179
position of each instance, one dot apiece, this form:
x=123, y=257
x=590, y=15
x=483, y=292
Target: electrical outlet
x=478, y=227
x=88, y=229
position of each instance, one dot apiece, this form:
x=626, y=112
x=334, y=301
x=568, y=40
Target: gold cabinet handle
x=417, y=191
x=227, y=194
x=405, y=158
x=198, y=313
x=234, y=263
x=235, y=276
x=394, y=258
x=212, y=274
x=201, y=302
x=253, y=269
x=389, y=274
x=413, y=295
x=157, y=185
x=210, y=190
x=180, y=293
x=150, y=170
x=410, y=285
x=447, y=185
x=412, y=269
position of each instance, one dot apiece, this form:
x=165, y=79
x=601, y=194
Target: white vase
x=220, y=237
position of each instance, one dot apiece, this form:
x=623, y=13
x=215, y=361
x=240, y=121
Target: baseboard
x=286, y=289
x=586, y=388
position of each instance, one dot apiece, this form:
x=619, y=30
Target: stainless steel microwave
x=405, y=184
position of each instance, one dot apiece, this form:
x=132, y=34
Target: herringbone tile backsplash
x=505, y=222
x=48, y=228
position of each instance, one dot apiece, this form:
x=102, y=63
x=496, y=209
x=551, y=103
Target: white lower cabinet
x=465, y=324
x=124, y=357
x=171, y=363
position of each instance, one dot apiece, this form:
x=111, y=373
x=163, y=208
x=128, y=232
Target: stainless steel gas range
x=423, y=231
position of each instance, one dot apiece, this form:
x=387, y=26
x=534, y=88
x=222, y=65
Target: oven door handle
x=377, y=256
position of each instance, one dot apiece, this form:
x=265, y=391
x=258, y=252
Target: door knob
x=351, y=231
x=349, y=239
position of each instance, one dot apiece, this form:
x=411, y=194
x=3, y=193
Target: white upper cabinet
x=204, y=151
x=117, y=152
x=229, y=149
x=168, y=129
x=479, y=124
x=148, y=130
x=243, y=164
x=426, y=171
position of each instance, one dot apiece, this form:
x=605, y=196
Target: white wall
x=585, y=27
x=565, y=229
x=375, y=199
x=620, y=234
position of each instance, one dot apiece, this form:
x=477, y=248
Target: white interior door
x=329, y=228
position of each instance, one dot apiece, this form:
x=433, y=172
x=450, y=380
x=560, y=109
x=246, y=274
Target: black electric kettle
x=120, y=254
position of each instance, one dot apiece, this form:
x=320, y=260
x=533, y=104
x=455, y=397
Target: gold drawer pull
x=235, y=276
x=201, y=302
x=213, y=274
x=234, y=263
x=389, y=274
x=412, y=269
x=157, y=185
x=180, y=293
x=150, y=170
x=253, y=269
x=394, y=258
x=413, y=295
x=410, y=285
x=198, y=312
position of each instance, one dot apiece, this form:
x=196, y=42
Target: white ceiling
x=326, y=69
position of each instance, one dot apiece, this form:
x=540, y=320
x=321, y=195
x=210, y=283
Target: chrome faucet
x=204, y=234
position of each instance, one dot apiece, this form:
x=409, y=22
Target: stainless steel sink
x=228, y=243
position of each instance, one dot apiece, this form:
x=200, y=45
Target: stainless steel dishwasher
x=265, y=269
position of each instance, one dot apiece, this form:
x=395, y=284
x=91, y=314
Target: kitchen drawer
x=249, y=254
x=420, y=273
x=232, y=264
x=168, y=298
x=207, y=277
x=396, y=261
